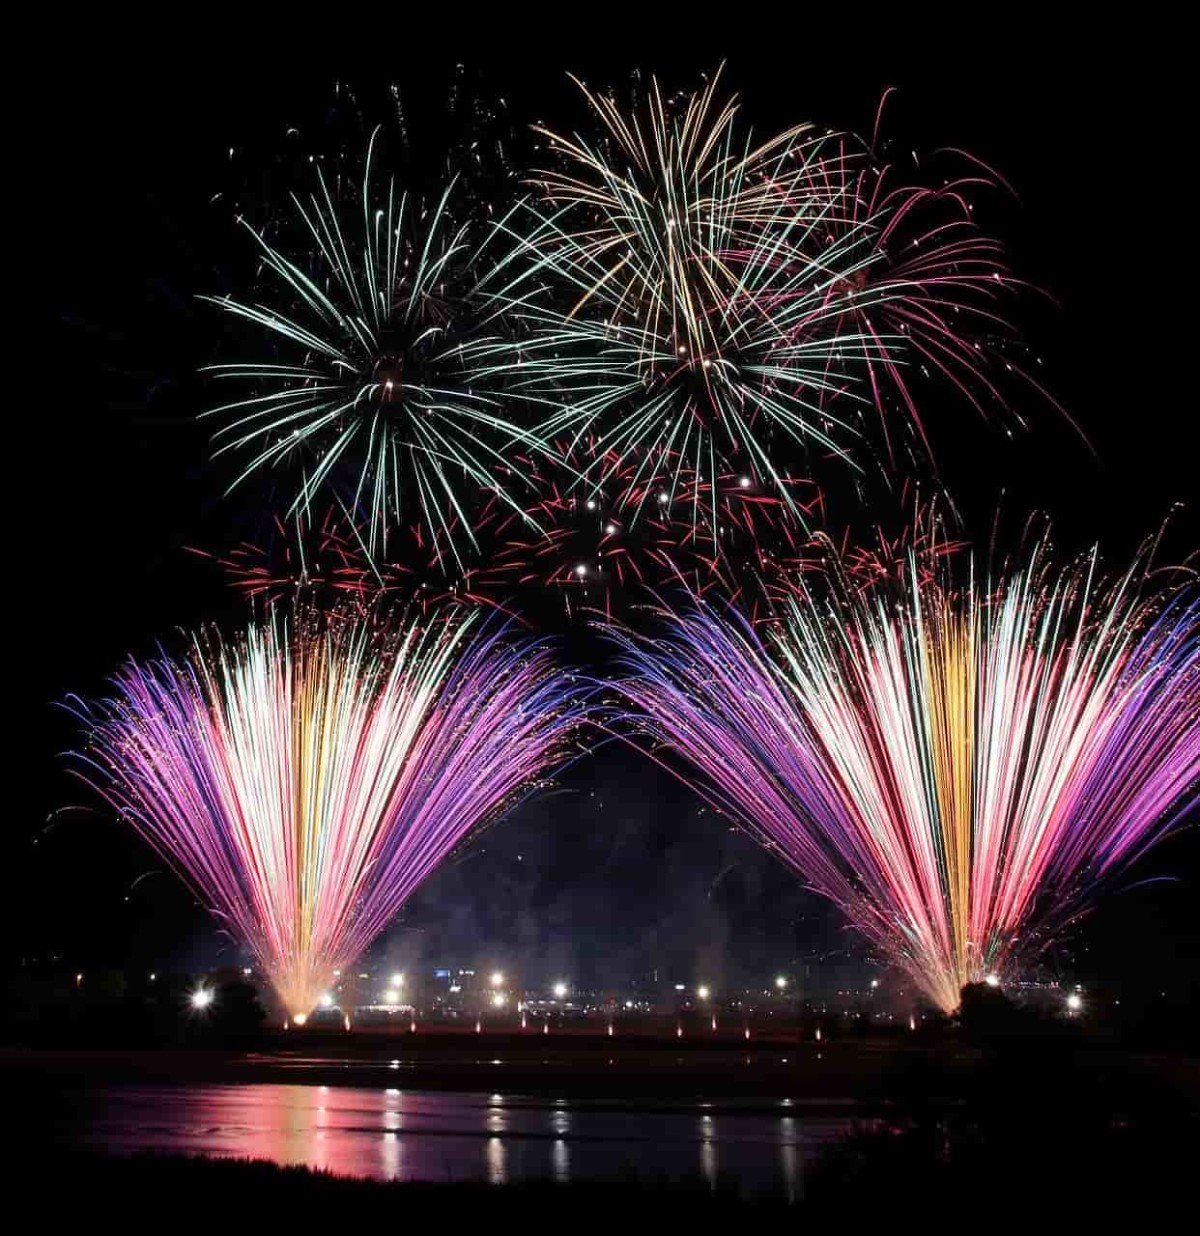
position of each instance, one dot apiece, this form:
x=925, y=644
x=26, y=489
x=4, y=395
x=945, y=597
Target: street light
x=560, y=991
x=498, y=1001
x=202, y=997
x=1074, y=1002
x=702, y=992
x=497, y=979
x=397, y=980
x=780, y=982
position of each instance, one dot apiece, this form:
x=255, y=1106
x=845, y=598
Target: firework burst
x=637, y=532
x=372, y=318
x=659, y=315
x=957, y=770
x=932, y=298
x=305, y=783
x=326, y=566
x=685, y=295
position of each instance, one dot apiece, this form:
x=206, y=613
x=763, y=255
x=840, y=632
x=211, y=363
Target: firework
x=325, y=565
x=957, y=770
x=369, y=319
x=686, y=295
x=930, y=300
x=636, y=532
x=647, y=276
x=304, y=784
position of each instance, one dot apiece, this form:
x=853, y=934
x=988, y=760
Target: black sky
x=126, y=136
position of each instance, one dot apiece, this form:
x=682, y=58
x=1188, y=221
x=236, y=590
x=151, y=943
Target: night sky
x=621, y=870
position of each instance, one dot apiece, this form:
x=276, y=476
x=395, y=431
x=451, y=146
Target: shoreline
x=838, y=1076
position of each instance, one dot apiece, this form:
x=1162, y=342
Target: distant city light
x=560, y=990
x=497, y=979
x=202, y=997
x=780, y=982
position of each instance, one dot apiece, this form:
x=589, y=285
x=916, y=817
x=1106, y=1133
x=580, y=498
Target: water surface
x=758, y=1146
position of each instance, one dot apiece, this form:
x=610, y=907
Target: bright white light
x=591, y=504
x=581, y=570
x=300, y=1018
x=780, y=982
x=610, y=529
x=397, y=980
x=992, y=980
x=744, y=482
x=1074, y=1002
x=326, y=1001
x=391, y=996
x=497, y=979
x=498, y=1001
x=702, y=992
x=202, y=997
x=678, y=986
x=874, y=984
x=663, y=499
x=560, y=990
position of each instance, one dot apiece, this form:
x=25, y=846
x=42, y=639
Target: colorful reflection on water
x=758, y=1147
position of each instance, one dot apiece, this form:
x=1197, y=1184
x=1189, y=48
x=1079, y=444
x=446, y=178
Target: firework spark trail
x=930, y=296
x=958, y=771
x=305, y=785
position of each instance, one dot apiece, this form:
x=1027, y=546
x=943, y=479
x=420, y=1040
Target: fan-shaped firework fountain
x=305, y=782
x=956, y=769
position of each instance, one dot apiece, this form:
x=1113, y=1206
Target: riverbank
x=838, y=1074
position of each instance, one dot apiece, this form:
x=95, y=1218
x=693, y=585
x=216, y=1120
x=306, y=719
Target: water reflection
x=398, y=1134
